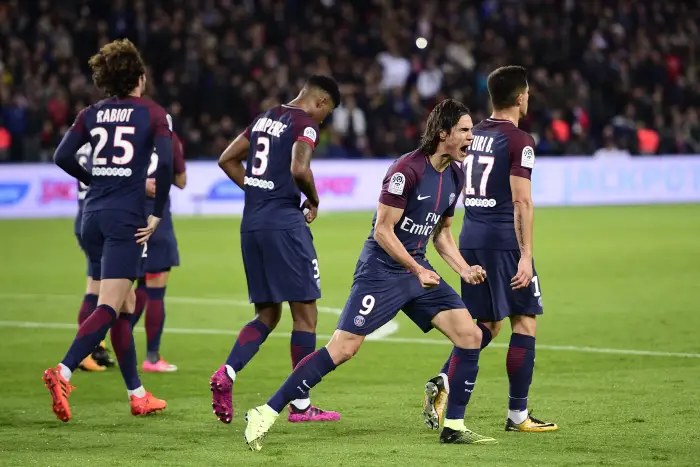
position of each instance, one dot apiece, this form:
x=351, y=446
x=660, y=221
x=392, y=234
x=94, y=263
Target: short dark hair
x=505, y=84
x=326, y=84
x=443, y=117
x=117, y=67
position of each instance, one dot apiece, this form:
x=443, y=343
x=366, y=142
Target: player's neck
x=512, y=115
x=298, y=103
x=440, y=160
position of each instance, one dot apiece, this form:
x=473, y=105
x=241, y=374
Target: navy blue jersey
x=122, y=134
x=177, y=167
x=83, y=156
x=272, y=198
x=425, y=195
x=499, y=150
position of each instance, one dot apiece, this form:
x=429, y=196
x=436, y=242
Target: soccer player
x=100, y=359
x=417, y=200
x=497, y=235
x=278, y=251
x=122, y=130
x=162, y=256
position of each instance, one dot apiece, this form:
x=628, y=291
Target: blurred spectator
x=609, y=149
x=619, y=75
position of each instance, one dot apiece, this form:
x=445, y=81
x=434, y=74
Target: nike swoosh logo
x=421, y=198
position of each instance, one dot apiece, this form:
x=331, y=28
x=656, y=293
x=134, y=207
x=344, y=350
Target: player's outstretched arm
x=524, y=219
x=446, y=247
x=64, y=157
x=387, y=217
x=231, y=160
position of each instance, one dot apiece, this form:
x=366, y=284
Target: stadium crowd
x=607, y=77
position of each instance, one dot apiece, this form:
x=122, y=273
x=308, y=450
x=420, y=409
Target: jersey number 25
x=102, y=136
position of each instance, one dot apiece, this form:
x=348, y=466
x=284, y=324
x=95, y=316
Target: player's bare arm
x=446, y=247
x=524, y=218
x=231, y=160
x=304, y=177
x=387, y=218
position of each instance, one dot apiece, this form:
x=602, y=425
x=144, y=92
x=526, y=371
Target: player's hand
x=310, y=211
x=473, y=275
x=144, y=233
x=428, y=279
x=524, y=275
x=151, y=187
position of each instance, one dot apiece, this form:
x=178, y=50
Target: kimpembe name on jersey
x=269, y=126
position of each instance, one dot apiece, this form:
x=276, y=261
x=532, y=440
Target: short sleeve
x=459, y=183
x=178, y=156
x=398, y=184
x=522, y=154
x=161, y=122
x=306, y=130
x=247, y=131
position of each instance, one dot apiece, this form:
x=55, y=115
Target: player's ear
x=443, y=135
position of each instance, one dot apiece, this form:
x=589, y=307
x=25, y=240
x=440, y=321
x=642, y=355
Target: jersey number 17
x=487, y=161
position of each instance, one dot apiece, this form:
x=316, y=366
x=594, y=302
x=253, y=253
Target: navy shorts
x=494, y=299
x=82, y=247
x=378, y=294
x=281, y=265
x=108, y=238
x=162, y=253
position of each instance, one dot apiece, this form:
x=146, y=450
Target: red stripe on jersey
x=308, y=141
x=437, y=203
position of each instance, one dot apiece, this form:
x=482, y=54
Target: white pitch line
x=391, y=340
x=385, y=331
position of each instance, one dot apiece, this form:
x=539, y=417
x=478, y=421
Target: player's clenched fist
x=310, y=211
x=428, y=279
x=474, y=275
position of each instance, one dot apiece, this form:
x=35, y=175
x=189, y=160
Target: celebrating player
x=497, y=235
x=122, y=130
x=162, y=256
x=278, y=251
x=100, y=359
x=417, y=200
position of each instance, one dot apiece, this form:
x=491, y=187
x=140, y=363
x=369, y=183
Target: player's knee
x=304, y=316
x=524, y=324
x=493, y=326
x=467, y=336
x=268, y=315
x=341, y=348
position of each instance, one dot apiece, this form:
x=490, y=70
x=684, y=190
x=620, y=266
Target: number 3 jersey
x=499, y=149
x=272, y=198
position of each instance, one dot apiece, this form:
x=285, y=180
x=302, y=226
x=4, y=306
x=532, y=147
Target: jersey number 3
x=469, y=168
x=262, y=153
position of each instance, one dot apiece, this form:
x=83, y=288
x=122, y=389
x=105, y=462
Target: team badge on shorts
x=359, y=321
x=452, y=198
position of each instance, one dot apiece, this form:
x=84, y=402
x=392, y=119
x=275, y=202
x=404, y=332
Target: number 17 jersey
x=272, y=198
x=499, y=149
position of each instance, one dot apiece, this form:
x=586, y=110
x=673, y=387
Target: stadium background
x=618, y=356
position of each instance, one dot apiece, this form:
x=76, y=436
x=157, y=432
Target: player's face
x=460, y=138
x=524, y=97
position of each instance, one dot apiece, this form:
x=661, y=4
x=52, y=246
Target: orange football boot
x=146, y=404
x=60, y=389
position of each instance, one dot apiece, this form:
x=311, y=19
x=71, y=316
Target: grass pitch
x=613, y=279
